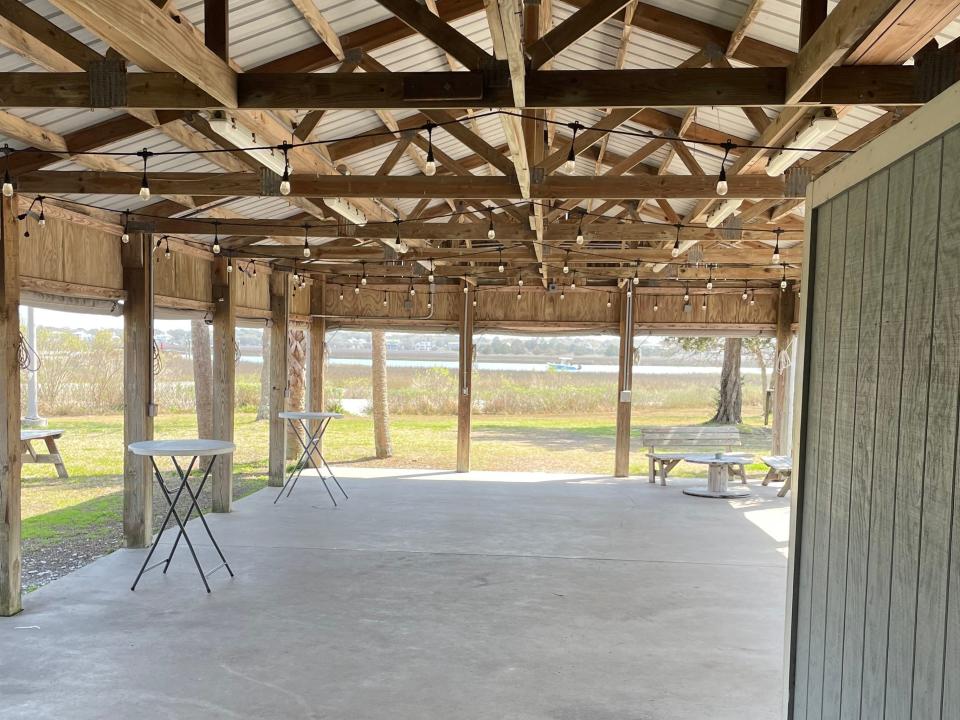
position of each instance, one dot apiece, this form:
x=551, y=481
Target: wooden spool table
x=193, y=449
x=718, y=475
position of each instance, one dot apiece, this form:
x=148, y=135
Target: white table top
x=181, y=448
x=308, y=415
x=724, y=459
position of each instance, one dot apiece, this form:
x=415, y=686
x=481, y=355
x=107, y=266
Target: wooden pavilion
x=601, y=166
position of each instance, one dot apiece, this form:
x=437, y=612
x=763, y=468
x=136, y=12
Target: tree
x=730, y=395
x=296, y=382
x=263, y=408
x=761, y=348
x=381, y=410
x=202, y=376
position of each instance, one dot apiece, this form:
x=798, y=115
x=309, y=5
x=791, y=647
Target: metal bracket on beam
x=108, y=83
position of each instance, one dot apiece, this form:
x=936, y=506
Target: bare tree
x=202, y=376
x=381, y=410
x=263, y=407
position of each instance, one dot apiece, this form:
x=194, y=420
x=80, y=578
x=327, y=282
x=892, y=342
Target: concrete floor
x=427, y=596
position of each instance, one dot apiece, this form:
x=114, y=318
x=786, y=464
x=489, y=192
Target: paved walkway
x=426, y=596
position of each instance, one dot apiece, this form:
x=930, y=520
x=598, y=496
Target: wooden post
x=782, y=381
x=318, y=349
x=465, y=383
x=224, y=378
x=624, y=386
x=138, y=407
x=10, y=601
x=279, y=316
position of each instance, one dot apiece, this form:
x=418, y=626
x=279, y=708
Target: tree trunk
x=296, y=382
x=202, y=376
x=381, y=411
x=762, y=364
x=263, y=408
x=730, y=400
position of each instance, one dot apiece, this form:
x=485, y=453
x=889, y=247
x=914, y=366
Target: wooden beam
x=10, y=551
x=812, y=15
x=435, y=29
x=224, y=287
x=587, y=137
x=904, y=32
x=279, y=316
x=28, y=33
x=842, y=30
x=321, y=27
x=360, y=186
x=139, y=410
x=473, y=141
x=624, y=385
x=465, y=382
x=740, y=31
x=147, y=35
x=216, y=27
x=572, y=29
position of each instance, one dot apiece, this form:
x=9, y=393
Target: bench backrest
x=707, y=436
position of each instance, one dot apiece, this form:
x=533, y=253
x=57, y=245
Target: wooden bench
x=694, y=439
x=51, y=457
x=781, y=468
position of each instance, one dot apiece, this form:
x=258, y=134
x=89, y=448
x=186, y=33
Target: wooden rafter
x=570, y=30
x=434, y=28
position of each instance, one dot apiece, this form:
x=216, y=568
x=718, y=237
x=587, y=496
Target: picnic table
x=51, y=457
x=780, y=469
x=719, y=474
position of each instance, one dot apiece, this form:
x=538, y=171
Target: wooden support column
x=624, y=386
x=10, y=602
x=786, y=301
x=279, y=317
x=138, y=407
x=465, y=383
x=224, y=378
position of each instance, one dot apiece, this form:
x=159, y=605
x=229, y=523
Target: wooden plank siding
x=876, y=630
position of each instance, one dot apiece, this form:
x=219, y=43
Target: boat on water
x=564, y=365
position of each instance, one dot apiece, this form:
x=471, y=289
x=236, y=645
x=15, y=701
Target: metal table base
x=172, y=497
x=310, y=446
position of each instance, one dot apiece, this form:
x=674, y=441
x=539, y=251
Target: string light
x=363, y=276
x=704, y=306
x=562, y=295
x=397, y=223
x=125, y=237
x=466, y=288
x=341, y=294
x=743, y=296
x=609, y=303
x=430, y=167
x=753, y=298
x=229, y=265
x=520, y=282
x=384, y=299
x=710, y=280
x=783, y=277
x=573, y=280
x=356, y=289
x=41, y=219
x=7, y=183
x=216, y=238
x=776, y=248
x=722, y=186
x=491, y=233
x=413, y=290
x=144, y=183
x=636, y=273
x=571, y=163
x=500, y=267
x=430, y=277
x=676, y=243
x=656, y=304
x=306, y=245
x=566, y=263
x=686, y=294
x=285, y=180
x=166, y=251
x=580, y=238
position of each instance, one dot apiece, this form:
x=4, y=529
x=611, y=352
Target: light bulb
x=363, y=280
x=429, y=305
x=41, y=221
x=125, y=238
x=753, y=300
x=216, y=247
x=430, y=277
x=656, y=307
x=566, y=269
x=384, y=302
x=783, y=284
x=430, y=167
x=474, y=303
x=144, y=190
x=573, y=283
x=579, y=237
x=229, y=266
x=744, y=295
x=562, y=296
x=285, y=181
x=356, y=290
x=629, y=292
x=520, y=282
x=166, y=253
x=609, y=304
x=776, y=257
x=306, y=250
x=7, y=187
x=704, y=306
x=499, y=268
x=686, y=297
x=722, y=186
x=466, y=289
x=519, y=295
x=675, y=252
x=491, y=233
x=413, y=291
x=341, y=296
x=709, y=284
x=636, y=280
x=570, y=165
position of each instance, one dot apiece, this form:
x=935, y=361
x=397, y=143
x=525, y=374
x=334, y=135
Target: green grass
x=89, y=502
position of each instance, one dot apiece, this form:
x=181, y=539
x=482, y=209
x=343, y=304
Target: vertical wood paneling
x=862, y=480
x=842, y=450
x=890, y=372
x=913, y=426
x=950, y=228
x=824, y=470
x=938, y=467
x=809, y=485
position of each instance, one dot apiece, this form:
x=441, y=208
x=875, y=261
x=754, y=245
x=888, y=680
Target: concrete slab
x=428, y=595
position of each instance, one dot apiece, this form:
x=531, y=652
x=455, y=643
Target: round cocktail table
x=719, y=474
